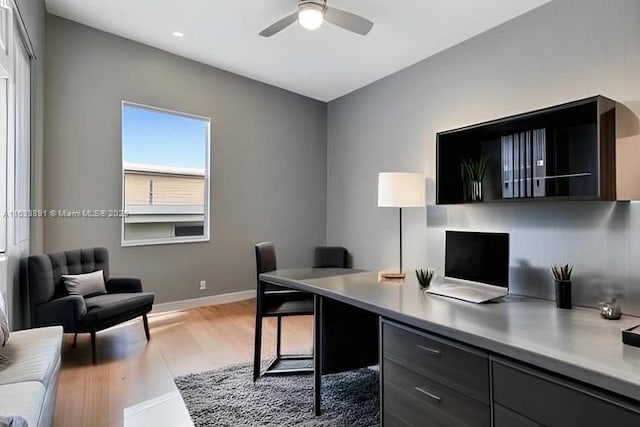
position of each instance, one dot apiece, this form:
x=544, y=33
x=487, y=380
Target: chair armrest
x=65, y=311
x=121, y=285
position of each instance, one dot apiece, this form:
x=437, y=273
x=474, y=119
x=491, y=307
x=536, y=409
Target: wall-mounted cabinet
x=566, y=152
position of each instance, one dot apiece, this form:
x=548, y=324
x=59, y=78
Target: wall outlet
x=203, y=285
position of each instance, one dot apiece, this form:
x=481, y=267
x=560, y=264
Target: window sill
x=170, y=241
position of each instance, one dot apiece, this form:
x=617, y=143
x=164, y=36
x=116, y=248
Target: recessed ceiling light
x=178, y=34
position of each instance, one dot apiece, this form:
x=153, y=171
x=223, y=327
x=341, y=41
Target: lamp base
x=391, y=274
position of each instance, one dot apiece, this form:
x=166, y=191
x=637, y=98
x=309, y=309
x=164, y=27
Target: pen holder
x=563, y=294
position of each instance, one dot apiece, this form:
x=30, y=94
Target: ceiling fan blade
x=348, y=21
x=279, y=25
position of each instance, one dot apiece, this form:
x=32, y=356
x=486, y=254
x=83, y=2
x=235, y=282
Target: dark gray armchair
x=50, y=304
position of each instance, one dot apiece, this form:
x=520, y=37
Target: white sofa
x=29, y=378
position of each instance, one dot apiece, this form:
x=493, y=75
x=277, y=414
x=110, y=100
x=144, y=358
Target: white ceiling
x=324, y=64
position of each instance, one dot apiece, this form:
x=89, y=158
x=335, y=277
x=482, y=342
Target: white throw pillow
x=4, y=324
x=85, y=284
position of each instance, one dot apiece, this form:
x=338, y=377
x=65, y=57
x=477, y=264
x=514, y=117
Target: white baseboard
x=203, y=301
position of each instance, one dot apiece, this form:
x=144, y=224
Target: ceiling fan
x=312, y=13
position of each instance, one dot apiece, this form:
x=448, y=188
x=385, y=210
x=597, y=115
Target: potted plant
x=472, y=175
x=562, y=276
x=425, y=277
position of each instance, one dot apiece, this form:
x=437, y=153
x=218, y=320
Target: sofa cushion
x=21, y=403
x=102, y=307
x=33, y=355
x=17, y=421
x=86, y=284
x=4, y=323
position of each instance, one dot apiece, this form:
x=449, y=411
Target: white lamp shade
x=400, y=190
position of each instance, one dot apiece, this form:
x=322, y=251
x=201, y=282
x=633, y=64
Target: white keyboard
x=467, y=293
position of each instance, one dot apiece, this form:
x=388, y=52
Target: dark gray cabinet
x=427, y=380
x=582, y=150
x=430, y=380
x=504, y=417
x=524, y=396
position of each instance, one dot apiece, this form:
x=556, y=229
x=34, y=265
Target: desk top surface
x=577, y=343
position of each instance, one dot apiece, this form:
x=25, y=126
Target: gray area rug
x=228, y=397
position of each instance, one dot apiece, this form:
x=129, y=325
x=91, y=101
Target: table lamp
x=400, y=190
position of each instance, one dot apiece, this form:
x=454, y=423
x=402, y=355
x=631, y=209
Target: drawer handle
x=426, y=393
x=431, y=351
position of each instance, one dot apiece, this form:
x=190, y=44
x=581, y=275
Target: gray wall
x=268, y=160
x=565, y=50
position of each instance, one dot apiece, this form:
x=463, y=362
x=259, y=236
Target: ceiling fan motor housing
x=321, y=3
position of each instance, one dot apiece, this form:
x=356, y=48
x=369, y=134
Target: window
x=165, y=176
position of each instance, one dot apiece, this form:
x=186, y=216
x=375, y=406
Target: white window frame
x=22, y=143
x=6, y=115
x=207, y=174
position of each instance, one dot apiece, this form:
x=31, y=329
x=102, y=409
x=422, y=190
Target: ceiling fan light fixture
x=311, y=16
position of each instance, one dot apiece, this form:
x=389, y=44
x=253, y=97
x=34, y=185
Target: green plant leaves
x=425, y=277
x=475, y=169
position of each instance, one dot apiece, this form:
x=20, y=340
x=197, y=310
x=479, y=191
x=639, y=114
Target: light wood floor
x=129, y=370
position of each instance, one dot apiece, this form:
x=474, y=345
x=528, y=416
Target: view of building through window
x=165, y=176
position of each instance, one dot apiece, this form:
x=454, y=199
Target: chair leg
x=75, y=341
x=257, y=348
x=145, y=321
x=93, y=347
x=278, y=336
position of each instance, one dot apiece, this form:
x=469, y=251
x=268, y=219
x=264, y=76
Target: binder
x=516, y=165
x=507, y=166
x=539, y=162
x=522, y=162
x=528, y=164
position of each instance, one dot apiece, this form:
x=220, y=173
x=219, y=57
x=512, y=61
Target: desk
x=575, y=344
x=345, y=336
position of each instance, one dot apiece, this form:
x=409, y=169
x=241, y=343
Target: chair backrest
x=265, y=257
x=44, y=271
x=265, y=262
x=331, y=257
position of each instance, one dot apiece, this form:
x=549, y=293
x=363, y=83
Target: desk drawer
x=429, y=398
x=552, y=401
x=404, y=410
x=462, y=368
x=504, y=417
x=391, y=419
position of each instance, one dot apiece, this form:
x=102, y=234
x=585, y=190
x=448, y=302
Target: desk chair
x=331, y=257
x=277, y=301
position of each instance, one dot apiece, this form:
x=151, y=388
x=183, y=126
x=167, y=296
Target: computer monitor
x=479, y=257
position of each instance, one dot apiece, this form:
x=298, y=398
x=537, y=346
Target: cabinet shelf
x=565, y=152
x=571, y=175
